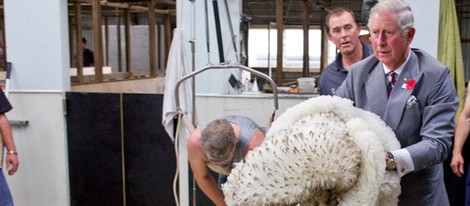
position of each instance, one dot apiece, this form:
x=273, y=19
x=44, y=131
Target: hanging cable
x=175, y=179
x=207, y=34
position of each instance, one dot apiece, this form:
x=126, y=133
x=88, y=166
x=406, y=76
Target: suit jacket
x=420, y=114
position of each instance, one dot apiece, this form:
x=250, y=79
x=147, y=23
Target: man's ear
x=411, y=35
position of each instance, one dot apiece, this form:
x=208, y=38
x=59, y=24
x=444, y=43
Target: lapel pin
x=409, y=85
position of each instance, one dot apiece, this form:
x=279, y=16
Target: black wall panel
x=94, y=149
x=149, y=153
x=118, y=150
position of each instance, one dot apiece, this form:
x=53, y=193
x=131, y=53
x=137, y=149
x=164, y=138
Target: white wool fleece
x=322, y=151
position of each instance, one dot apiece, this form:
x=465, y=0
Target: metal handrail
x=194, y=73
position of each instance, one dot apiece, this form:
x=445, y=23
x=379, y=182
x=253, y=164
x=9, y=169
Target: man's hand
x=457, y=164
x=12, y=163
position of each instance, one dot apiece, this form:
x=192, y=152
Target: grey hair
x=400, y=7
x=218, y=140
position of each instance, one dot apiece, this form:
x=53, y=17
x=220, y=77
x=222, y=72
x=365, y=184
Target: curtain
x=450, y=49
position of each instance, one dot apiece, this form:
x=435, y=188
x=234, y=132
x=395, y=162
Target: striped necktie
x=391, y=82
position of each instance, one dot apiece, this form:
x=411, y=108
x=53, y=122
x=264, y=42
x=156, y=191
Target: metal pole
x=207, y=33
x=215, y=6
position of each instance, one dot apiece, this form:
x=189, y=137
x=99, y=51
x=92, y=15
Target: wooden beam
x=78, y=41
x=324, y=41
x=106, y=39
x=167, y=37
x=3, y=46
x=112, y=77
x=135, y=7
x=119, y=50
x=280, y=31
x=71, y=42
x=152, y=51
x=97, y=42
x=168, y=2
x=128, y=40
x=306, y=28
x=159, y=46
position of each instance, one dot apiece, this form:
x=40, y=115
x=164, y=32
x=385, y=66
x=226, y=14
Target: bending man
x=219, y=146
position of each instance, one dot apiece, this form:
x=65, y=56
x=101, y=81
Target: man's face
x=344, y=33
x=389, y=45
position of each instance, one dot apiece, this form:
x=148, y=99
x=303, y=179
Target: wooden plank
x=97, y=42
x=135, y=7
x=306, y=28
x=152, y=52
x=119, y=50
x=78, y=41
x=106, y=39
x=128, y=40
x=167, y=37
x=159, y=46
x=116, y=76
x=324, y=42
x=4, y=47
x=280, y=42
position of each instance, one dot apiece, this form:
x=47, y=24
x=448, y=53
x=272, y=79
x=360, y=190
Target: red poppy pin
x=410, y=84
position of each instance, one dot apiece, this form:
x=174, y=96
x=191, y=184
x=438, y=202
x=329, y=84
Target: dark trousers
x=458, y=188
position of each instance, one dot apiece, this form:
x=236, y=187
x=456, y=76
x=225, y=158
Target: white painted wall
x=426, y=18
x=140, y=57
x=258, y=107
x=37, y=45
x=42, y=177
x=191, y=18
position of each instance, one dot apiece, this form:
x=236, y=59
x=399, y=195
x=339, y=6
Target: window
x=262, y=44
x=262, y=47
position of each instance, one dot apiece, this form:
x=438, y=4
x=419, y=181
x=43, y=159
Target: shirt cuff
x=404, y=162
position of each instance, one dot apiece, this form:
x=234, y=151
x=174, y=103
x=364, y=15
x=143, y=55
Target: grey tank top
x=247, y=128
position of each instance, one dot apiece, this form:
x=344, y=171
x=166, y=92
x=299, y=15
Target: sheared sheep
x=323, y=151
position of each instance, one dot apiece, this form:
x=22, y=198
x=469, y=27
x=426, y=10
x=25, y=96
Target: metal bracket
x=19, y=123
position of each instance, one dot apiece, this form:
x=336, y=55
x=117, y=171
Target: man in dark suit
x=413, y=93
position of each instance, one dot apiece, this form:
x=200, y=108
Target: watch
x=391, y=164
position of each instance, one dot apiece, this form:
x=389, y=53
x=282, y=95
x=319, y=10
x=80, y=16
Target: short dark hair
x=83, y=40
x=336, y=12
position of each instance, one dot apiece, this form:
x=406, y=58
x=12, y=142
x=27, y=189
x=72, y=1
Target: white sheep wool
x=323, y=151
